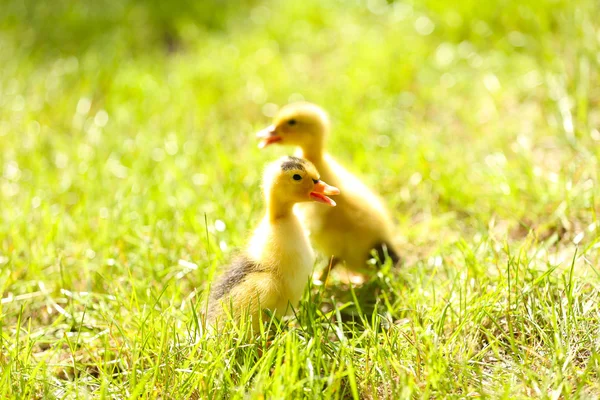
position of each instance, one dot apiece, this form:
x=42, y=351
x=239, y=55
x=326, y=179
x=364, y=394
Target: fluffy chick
x=361, y=222
x=273, y=271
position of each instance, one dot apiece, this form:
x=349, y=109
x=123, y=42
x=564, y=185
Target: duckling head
x=297, y=124
x=292, y=180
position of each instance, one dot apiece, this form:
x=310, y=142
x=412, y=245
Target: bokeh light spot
x=424, y=26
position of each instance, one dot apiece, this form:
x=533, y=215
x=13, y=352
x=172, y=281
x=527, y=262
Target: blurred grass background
x=129, y=173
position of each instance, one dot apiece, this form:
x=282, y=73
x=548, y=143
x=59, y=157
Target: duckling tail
x=384, y=250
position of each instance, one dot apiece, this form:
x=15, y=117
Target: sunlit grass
x=129, y=175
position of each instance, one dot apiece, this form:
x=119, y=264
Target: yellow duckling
x=360, y=222
x=273, y=271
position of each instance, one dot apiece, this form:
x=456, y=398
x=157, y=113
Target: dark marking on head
x=292, y=163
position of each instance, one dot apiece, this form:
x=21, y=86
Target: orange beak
x=320, y=192
x=268, y=136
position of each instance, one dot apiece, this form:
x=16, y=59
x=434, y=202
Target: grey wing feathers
x=235, y=274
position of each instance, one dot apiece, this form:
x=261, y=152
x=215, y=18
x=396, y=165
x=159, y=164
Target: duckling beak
x=320, y=191
x=268, y=136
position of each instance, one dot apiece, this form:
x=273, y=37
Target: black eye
x=297, y=177
x=292, y=122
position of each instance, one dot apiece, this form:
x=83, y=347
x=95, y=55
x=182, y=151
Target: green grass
x=126, y=133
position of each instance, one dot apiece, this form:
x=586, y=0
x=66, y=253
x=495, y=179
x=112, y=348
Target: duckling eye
x=292, y=122
x=296, y=177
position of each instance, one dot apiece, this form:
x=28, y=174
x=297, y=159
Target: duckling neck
x=313, y=153
x=277, y=210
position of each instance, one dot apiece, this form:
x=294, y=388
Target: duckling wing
x=234, y=274
x=245, y=289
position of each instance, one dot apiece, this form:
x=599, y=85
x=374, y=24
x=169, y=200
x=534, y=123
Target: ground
x=129, y=175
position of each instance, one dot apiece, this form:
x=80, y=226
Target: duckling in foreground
x=273, y=271
x=360, y=223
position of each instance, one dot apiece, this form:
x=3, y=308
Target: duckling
x=360, y=223
x=273, y=271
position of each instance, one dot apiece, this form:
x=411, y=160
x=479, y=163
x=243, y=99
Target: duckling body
x=274, y=270
x=284, y=249
x=350, y=230
x=360, y=223
x=272, y=274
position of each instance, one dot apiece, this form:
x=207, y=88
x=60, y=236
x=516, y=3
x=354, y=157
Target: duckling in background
x=360, y=223
x=273, y=271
